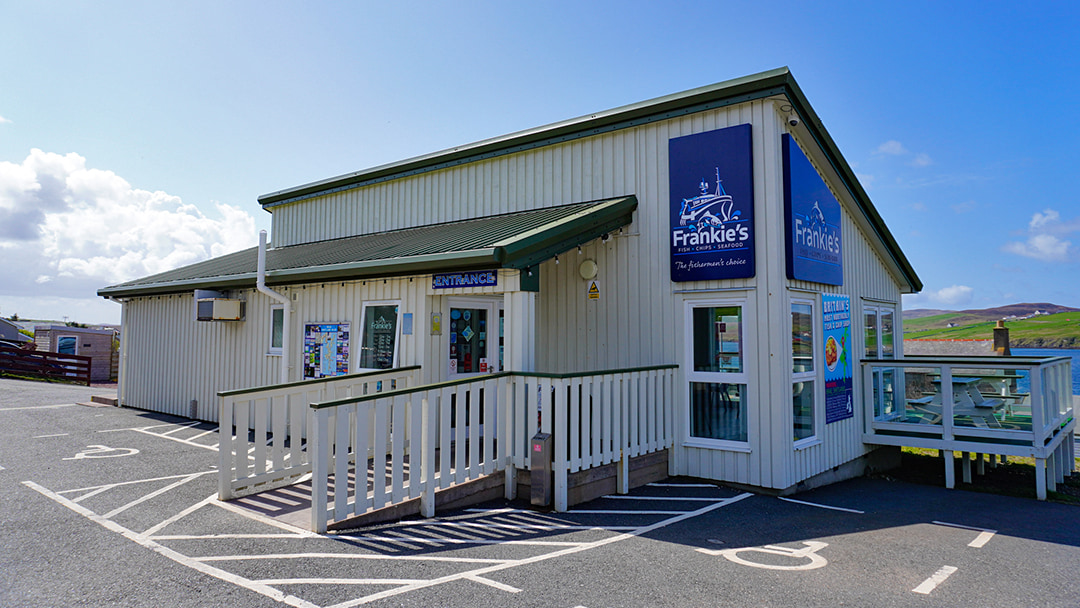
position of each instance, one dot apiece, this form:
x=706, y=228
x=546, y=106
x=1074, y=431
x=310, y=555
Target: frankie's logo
x=709, y=221
x=813, y=233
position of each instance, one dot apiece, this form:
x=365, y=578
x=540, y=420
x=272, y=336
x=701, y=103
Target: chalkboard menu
x=379, y=340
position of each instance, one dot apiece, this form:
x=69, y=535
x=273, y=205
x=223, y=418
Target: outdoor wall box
x=218, y=309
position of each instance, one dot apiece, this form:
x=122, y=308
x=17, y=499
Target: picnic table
x=967, y=401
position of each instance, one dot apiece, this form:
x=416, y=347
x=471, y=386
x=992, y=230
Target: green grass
x=1061, y=326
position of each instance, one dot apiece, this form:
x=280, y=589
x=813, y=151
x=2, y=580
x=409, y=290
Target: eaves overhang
x=518, y=240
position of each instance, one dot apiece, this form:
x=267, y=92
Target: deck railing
x=1009, y=406
x=263, y=430
x=473, y=427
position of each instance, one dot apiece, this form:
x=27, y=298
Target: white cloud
x=953, y=296
x=921, y=160
x=964, y=207
x=1045, y=240
x=892, y=147
x=866, y=180
x=3, y=120
x=67, y=230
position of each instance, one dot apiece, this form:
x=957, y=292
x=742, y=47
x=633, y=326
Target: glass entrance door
x=475, y=338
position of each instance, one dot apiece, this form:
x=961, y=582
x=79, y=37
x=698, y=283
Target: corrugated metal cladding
x=638, y=319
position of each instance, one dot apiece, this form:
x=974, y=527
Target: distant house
x=10, y=331
x=98, y=344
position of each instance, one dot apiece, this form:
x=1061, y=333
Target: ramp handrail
x=262, y=430
x=476, y=426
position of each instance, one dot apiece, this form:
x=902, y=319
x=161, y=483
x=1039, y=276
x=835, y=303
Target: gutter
x=260, y=284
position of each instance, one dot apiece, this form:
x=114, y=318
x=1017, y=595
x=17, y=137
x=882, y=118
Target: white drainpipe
x=260, y=284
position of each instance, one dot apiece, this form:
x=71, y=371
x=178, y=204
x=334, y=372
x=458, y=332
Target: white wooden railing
x=263, y=430
x=1010, y=406
x=474, y=427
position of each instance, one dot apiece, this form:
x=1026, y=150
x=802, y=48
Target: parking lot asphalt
x=103, y=506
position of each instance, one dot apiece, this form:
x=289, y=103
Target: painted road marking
x=985, y=534
x=667, y=498
x=47, y=436
x=939, y=577
x=495, y=584
x=820, y=506
x=37, y=407
x=155, y=493
x=361, y=556
x=173, y=555
x=681, y=485
x=808, y=552
x=102, y=451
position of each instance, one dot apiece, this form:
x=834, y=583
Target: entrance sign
x=838, y=388
x=811, y=220
x=477, y=278
x=711, y=185
x=809, y=552
x=326, y=349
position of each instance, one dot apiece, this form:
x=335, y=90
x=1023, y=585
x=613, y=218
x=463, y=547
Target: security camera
x=792, y=120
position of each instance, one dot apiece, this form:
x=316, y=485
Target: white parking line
x=360, y=556
x=47, y=436
x=110, y=486
x=820, y=506
x=338, y=581
x=931, y=583
x=667, y=498
x=985, y=534
x=474, y=524
x=37, y=407
x=681, y=485
x=491, y=583
x=184, y=441
x=179, y=558
x=155, y=493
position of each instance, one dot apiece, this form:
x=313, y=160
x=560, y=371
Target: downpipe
x=260, y=284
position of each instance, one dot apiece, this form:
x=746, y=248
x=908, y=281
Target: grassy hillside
x=1060, y=330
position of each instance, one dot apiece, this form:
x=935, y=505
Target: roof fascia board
x=235, y=281
x=739, y=90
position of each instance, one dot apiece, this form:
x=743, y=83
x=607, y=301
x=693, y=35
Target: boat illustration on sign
x=708, y=209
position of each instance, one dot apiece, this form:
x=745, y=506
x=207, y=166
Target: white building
x=718, y=230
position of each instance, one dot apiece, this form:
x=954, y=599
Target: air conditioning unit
x=219, y=309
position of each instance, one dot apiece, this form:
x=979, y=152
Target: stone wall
x=949, y=347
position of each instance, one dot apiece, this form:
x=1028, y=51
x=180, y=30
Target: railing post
x=225, y=433
x=320, y=461
x=507, y=443
x=561, y=444
x=427, y=470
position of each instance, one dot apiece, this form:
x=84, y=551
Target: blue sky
x=135, y=137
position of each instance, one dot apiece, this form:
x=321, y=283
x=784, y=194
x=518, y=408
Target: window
x=803, y=371
x=67, y=345
x=277, y=329
x=880, y=344
x=718, y=377
x=379, y=340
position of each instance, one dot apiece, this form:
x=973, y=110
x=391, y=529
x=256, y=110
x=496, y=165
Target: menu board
x=838, y=381
x=379, y=339
x=326, y=349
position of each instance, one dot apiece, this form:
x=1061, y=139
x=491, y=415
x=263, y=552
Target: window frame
x=357, y=352
x=276, y=351
x=741, y=378
x=815, y=376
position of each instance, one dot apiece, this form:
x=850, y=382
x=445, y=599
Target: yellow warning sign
x=594, y=291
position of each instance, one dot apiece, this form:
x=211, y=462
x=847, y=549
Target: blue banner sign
x=711, y=184
x=476, y=278
x=812, y=221
x=836, y=319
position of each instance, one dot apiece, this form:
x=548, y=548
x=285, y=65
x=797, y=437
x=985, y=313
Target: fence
x=50, y=366
x=474, y=427
x=263, y=430
x=1009, y=406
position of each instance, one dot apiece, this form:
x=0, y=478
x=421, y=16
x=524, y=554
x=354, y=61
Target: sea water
x=1055, y=352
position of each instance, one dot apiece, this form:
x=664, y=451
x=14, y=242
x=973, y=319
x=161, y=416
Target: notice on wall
x=379, y=340
x=326, y=350
x=836, y=319
x=711, y=185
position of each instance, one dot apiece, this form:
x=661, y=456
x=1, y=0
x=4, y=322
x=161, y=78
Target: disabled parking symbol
x=103, y=451
x=806, y=558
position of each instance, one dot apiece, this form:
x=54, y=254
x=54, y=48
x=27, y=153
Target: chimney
x=1001, y=339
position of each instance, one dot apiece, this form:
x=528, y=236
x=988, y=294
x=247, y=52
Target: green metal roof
x=513, y=240
x=740, y=90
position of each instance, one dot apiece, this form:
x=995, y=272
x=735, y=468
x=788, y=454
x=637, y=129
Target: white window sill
x=809, y=442
x=709, y=444
x=273, y=353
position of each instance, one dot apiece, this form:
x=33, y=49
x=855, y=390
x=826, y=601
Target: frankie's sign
x=811, y=220
x=711, y=184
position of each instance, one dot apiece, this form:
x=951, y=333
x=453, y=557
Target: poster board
x=836, y=322
x=326, y=350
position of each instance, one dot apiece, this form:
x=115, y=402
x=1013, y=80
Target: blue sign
x=836, y=321
x=812, y=221
x=711, y=184
x=476, y=278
